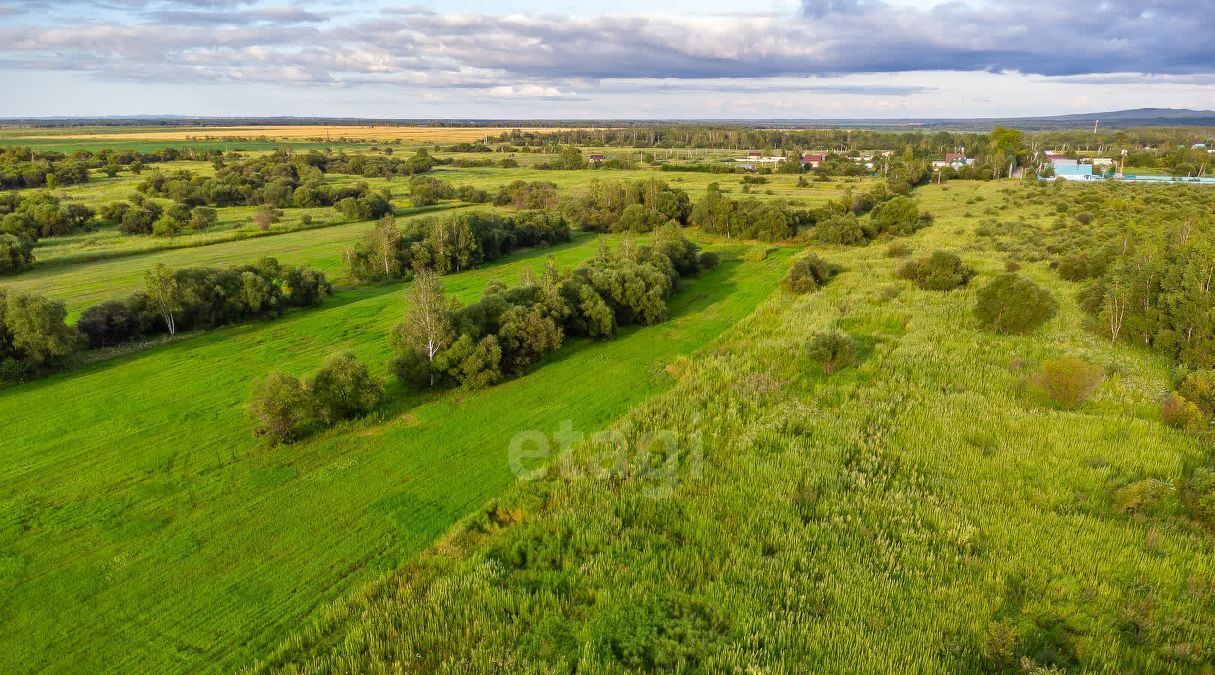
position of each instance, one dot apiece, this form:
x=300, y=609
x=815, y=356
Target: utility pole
x=1096, y=123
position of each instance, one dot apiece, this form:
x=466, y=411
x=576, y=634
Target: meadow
x=921, y=511
x=88, y=267
x=926, y=509
x=144, y=528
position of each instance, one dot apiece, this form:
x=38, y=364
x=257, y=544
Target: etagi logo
x=658, y=459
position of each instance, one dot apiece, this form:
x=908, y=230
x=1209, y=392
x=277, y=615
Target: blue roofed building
x=1077, y=172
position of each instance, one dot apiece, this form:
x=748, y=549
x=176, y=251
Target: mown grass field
x=923, y=511
x=143, y=529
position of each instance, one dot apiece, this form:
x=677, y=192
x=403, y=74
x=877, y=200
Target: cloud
x=268, y=15
x=549, y=57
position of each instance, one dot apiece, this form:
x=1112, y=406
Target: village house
x=956, y=160
x=755, y=159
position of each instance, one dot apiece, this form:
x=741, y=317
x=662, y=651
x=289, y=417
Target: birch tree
x=160, y=283
x=428, y=328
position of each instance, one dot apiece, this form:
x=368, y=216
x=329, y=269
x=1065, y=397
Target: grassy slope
x=899, y=516
x=142, y=529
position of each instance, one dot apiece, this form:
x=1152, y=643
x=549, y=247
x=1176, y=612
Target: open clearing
x=151, y=533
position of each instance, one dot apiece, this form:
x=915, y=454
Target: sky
x=608, y=59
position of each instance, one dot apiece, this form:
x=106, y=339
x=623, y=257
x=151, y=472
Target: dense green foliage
x=509, y=329
x=1067, y=381
x=284, y=408
x=1013, y=304
x=831, y=350
x=452, y=243
x=41, y=214
x=940, y=271
x=627, y=206
x=34, y=336
x=16, y=253
x=809, y=273
x=198, y=298
x=748, y=218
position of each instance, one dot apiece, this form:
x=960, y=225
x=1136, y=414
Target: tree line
x=443, y=344
x=24, y=167
x=449, y=243
x=35, y=338
x=509, y=329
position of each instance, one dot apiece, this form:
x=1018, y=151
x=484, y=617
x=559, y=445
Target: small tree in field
x=1013, y=304
x=35, y=328
x=808, y=273
x=266, y=216
x=344, y=388
x=282, y=408
x=428, y=328
x=941, y=271
x=832, y=350
x=1068, y=381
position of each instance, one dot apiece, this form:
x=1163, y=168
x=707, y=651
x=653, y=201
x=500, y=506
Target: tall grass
x=919, y=512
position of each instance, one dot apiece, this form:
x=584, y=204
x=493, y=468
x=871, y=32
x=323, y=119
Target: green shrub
x=1200, y=494
x=16, y=253
x=941, y=271
x=1067, y=381
x=708, y=260
x=899, y=217
x=282, y=408
x=344, y=388
x=831, y=350
x=1014, y=304
x=842, y=229
x=808, y=273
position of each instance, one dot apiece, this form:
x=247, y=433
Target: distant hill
x=1117, y=119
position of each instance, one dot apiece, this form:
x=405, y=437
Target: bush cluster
x=450, y=243
x=628, y=206
x=34, y=336
x=832, y=350
x=808, y=273
x=509, y=329
x=285, y=408
x=1014, y=304
x=940, y=271
x=41, y=214
x=198, y=298
x=1067, y=381
x=16, y=253
x=750, y=218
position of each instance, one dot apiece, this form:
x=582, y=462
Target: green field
x=86, y=268
x=924, y=511
x=143, y=528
